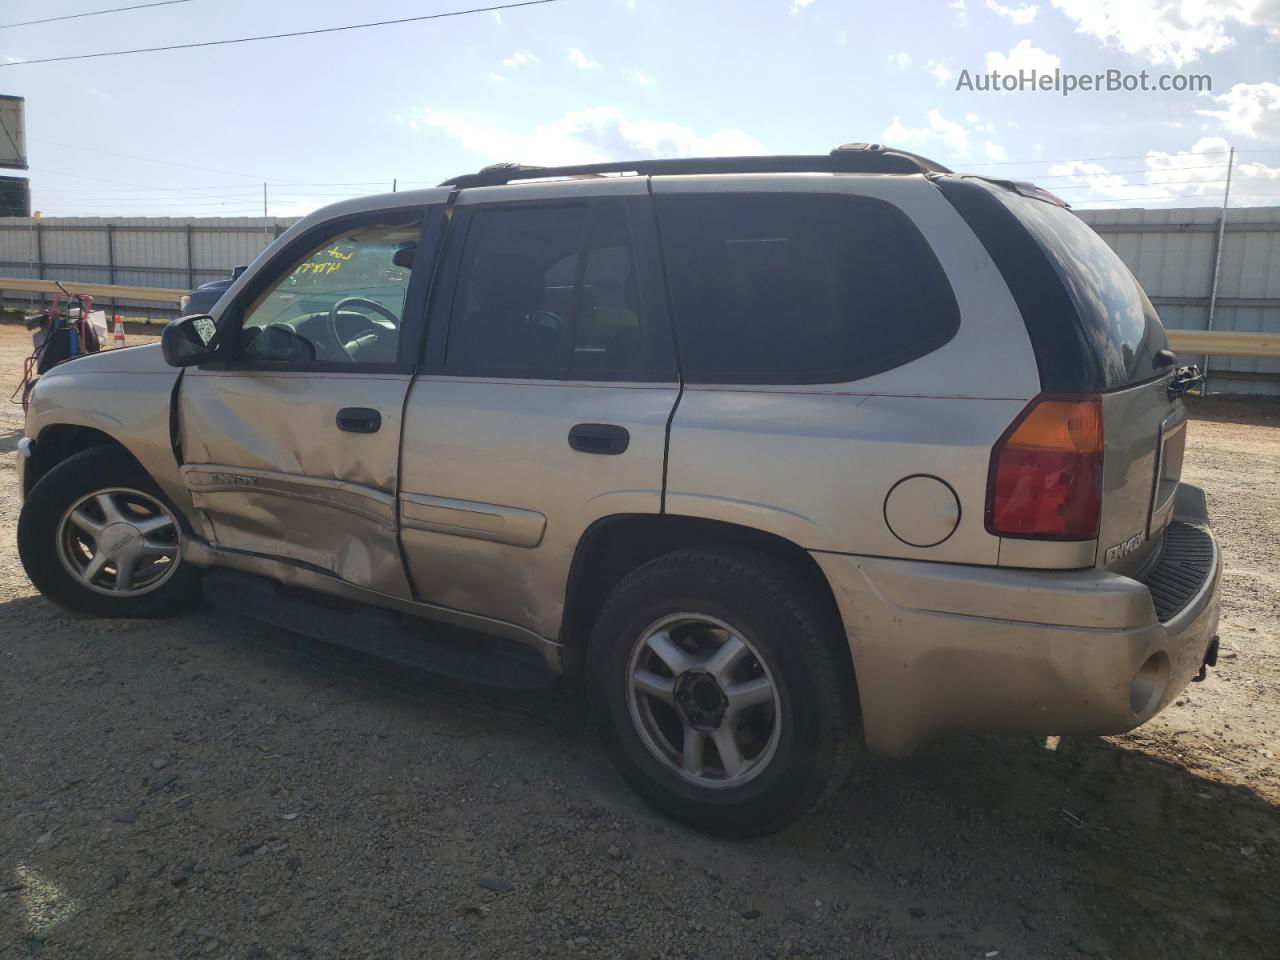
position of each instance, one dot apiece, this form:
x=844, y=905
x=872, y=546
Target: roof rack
x=849, y=158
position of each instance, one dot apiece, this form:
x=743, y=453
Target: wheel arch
x=614, y=546
x=58, y=441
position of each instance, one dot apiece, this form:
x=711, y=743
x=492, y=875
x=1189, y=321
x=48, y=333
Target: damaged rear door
x=291, y=443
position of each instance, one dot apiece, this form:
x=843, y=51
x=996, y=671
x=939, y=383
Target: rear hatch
x=1094, y=331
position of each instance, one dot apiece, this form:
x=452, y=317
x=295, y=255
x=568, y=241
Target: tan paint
x=505, y=444
x=932, y=658
x=318, y=495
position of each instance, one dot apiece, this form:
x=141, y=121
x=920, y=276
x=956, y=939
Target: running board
x=400, y=638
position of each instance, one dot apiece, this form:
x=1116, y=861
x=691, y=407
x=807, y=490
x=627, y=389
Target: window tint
x=803, y=289
x=548, y=293
x=340, y=303
x=1117, y=319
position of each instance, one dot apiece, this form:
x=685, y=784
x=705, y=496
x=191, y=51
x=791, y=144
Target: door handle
x=606, y=438
x=359, y=420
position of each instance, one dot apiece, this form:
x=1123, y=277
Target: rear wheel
x=98, y=536
x=719, y=681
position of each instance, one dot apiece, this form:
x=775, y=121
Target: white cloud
x=938, y=130
x=994, y=151
x=962, y=12
x=798, y=5
x=903, y=60
x=586, y=136
x=497, y=78
x=519, y=59
x=1250, y=110
x=1019, y=15
x=1180, y=177
x=941, y=72
x=1023, y=57
x=639, y=77
x=842, y=36
x=580, y=59
x=1169, y=31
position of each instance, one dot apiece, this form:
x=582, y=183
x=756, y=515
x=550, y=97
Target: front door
x=290, y=444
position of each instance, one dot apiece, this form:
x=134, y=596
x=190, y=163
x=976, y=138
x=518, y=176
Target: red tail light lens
x=1046, y=472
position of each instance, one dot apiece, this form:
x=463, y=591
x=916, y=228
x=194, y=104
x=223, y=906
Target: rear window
x=782, y=288
x=1117, y=320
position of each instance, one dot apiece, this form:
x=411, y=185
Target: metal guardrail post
x=111, y=264
x=1217, y=265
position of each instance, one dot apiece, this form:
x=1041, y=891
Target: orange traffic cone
x=118, y=335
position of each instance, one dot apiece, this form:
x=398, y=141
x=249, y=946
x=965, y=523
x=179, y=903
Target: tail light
x=184, y=302
x=1046, y=472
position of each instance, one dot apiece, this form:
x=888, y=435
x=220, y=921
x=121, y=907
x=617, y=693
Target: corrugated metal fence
x=1171, y=251
x=132, y=251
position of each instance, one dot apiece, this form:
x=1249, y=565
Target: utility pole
x=264, y=199
x=393, y=184
x=1217, y=264
x=266, y=230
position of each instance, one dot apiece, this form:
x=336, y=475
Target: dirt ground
x=210, y=787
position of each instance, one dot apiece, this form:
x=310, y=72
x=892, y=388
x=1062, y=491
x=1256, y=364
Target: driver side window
x=342, y=302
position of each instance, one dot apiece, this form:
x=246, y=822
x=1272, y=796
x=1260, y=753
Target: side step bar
x=411, y=641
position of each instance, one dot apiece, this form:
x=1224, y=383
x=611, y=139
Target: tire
x=794, y=743
x=53, y=545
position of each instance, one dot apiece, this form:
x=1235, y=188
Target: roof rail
x=849, y=158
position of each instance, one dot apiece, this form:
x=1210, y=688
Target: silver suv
x=777, y=457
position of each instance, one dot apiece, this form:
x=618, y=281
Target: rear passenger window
x=549, y=292
x=802, y=289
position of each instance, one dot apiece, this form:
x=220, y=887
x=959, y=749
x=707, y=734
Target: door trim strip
x=473, y=519
x=368, y=503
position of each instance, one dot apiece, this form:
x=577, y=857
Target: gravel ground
x=209, y=787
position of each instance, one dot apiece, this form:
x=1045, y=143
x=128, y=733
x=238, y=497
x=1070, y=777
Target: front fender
x=131, y=406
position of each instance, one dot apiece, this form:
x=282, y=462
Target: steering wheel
x=392, y=321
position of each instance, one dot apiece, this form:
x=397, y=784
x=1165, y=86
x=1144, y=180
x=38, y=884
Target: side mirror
x=236, y=271
x=189, y=340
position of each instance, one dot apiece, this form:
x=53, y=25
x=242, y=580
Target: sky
x=198, y=132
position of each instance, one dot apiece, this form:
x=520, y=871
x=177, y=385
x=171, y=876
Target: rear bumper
x=944, y=648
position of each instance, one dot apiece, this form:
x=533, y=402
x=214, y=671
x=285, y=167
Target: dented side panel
x=268, y=467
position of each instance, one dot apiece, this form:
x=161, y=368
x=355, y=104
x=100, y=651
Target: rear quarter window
x=786, y=288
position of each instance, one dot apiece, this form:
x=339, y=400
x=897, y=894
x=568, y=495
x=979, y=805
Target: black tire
x=794, y=634
x=39, y=525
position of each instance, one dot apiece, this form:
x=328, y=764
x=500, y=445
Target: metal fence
x=1173, y=253
x=132, y=251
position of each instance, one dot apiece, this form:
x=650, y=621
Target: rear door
x=544, y=398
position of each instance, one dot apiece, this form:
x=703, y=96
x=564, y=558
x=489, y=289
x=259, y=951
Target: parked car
x=778, y=458
x=203, y=297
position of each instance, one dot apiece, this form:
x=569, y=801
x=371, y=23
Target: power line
x=91, y=13
x=166, y=163
x=282, y=36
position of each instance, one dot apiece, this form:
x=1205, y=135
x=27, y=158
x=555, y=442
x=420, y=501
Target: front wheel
x=719, y=680
x=97, y=536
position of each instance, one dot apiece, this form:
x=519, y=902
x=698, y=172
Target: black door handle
x=605, y=438
x=359, y=420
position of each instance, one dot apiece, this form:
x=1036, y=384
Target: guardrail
x=99, y=291
x=1224, y=343
x=1191, y=343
